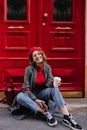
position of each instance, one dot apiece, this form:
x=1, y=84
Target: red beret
x=34, y=49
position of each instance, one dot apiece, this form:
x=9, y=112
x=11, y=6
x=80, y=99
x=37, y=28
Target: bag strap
x=3, y=100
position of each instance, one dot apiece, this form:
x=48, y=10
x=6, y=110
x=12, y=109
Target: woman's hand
x=42, y=104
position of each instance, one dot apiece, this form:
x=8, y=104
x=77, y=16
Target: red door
x=17, y=36
x=62, y=25
x=57, y=26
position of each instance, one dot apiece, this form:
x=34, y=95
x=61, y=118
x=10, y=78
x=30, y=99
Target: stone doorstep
x=72, y=107
x=3, y=105
x=71, y=103
x=75, y=105
x=68, y=105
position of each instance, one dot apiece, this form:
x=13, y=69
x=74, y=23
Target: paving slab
x=78, y=107
x=7, y=122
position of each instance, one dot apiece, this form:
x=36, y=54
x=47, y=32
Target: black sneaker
x=70, y=122
x=50, y=119
x=52, y=122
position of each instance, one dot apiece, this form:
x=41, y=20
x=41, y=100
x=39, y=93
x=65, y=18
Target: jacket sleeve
x=49, y=82
x=27, y=78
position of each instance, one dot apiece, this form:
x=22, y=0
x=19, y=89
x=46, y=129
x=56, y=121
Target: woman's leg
x=24, y=100
x=55, y=95
x=44, y=95
x=58, y=99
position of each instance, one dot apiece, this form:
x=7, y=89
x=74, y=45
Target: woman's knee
x=55, y=89
x=20, y=96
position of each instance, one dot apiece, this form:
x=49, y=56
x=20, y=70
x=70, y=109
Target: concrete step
x=3, y=105
x=77, y=105
x=74, y=105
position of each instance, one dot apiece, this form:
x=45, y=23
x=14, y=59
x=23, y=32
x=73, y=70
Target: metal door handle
x=45, y=15
x=15, y=27
x=63, y=28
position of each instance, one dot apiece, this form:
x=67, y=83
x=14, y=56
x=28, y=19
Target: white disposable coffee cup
x=57, y=81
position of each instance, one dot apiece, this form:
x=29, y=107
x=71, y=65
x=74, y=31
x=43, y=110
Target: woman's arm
x=27, y=76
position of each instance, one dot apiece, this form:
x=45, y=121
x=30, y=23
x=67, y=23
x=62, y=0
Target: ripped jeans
x=45, y=94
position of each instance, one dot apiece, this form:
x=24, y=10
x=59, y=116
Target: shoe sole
x=52, y=124
x=71, y=126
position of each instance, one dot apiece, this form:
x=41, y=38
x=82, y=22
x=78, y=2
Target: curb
x=75, y=105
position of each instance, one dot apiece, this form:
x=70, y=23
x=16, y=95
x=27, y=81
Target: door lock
x=43, y=24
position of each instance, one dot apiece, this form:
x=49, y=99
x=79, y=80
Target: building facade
x=59, y=27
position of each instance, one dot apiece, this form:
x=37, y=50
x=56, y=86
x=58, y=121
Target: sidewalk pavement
x=78, y=107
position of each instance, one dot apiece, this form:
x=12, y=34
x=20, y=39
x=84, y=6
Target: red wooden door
x=62, y=39
x=55, y=25
x=17, y=36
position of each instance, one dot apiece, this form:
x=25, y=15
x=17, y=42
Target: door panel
x=17, y=36
x=62, y=42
